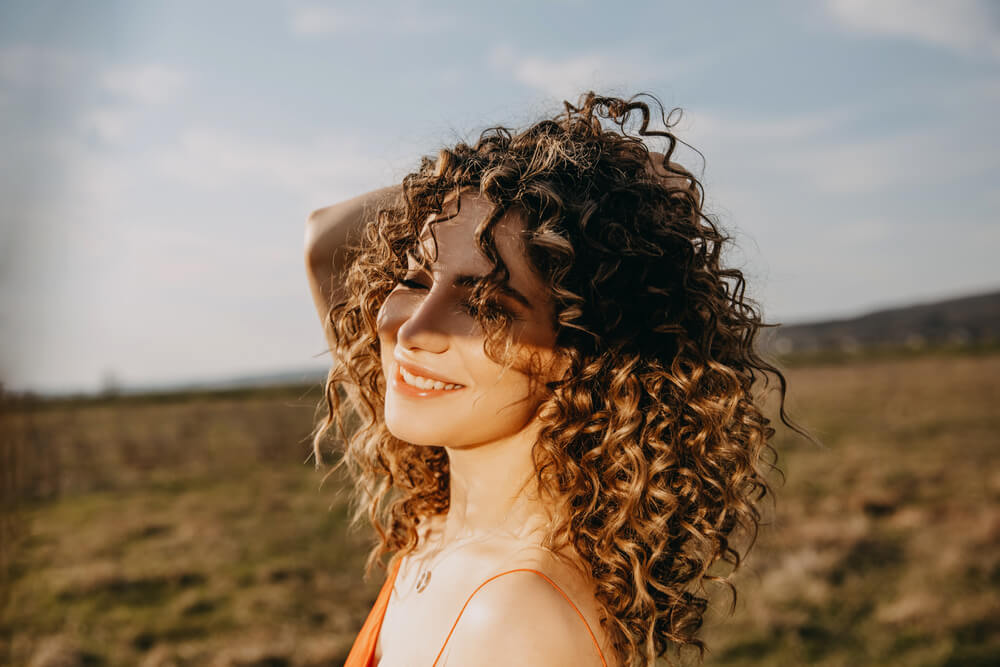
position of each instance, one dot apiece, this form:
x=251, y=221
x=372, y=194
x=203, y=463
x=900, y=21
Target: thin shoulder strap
x=363, y=650
x=543, y=576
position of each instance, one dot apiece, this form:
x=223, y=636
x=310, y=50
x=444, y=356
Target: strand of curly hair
x=654, y=445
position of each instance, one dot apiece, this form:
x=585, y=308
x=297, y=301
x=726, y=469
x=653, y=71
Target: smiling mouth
x=425, y=384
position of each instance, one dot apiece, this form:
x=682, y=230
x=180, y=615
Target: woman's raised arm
x=328, y=231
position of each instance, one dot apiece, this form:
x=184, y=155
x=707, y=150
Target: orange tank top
x=363, y=651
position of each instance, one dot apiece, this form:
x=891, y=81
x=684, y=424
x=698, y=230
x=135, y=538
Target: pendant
x=423, y=580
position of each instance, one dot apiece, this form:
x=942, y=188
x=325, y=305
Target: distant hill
x=300, y=377
x=971, y=320
x=964, y=322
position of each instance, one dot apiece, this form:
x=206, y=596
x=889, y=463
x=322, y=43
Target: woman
x=542, y=382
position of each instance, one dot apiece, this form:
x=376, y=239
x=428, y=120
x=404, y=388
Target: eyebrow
x=467, y=280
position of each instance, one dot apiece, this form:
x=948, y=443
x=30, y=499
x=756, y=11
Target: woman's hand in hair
x=328, y=232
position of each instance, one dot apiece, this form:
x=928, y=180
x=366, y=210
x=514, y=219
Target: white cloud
x=912, y=160
x=743, y=145
x=47, y=67
x=321, y=20
x=969, y=26
x=566, y=78
x=118, y=266
x=819, y=151
x=145, y=84
x=56, y=68
x=316, y=20
x=329, y=167
x=56, y=71
x=111, y=124
x=705, y=126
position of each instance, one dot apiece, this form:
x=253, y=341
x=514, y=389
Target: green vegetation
x=883, y=545
x=192, y=530
x=887, y=352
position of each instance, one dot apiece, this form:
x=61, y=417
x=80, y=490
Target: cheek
x=538, y=365
x=391, y=315
x=516, y=392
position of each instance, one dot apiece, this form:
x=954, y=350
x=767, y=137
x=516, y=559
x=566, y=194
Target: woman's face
x=442, y=388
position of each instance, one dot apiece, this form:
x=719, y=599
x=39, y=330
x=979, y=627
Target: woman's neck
x=494, y=491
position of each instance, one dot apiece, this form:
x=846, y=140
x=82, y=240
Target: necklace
x=443, y=552
x=424, y=574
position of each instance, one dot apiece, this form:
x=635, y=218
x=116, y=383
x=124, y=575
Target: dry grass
x=178, y=532
x=187, y=531
x=884, y=547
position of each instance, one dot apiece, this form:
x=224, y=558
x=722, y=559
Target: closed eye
x=467, y=306
x=490, y=312
x=412, y=284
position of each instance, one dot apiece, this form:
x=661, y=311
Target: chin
x=427, y=429
x=424, y=431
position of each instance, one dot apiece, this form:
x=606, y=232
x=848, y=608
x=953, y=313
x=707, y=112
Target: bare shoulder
x=520, y=617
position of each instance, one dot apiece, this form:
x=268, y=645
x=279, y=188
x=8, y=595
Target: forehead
x=451, y=243
x=449, y=238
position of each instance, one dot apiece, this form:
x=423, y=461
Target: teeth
x=425, y=383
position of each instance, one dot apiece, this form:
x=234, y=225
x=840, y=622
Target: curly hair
x=654, y=442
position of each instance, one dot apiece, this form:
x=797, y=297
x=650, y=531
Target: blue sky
x=160, y=157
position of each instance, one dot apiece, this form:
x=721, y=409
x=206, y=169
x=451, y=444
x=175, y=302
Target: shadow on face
x=442, y=386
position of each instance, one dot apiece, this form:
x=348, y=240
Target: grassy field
x=188, y=530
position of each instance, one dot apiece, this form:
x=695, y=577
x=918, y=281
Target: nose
x=423, y=324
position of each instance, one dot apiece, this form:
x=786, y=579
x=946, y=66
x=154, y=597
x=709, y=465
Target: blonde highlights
x=653, y=443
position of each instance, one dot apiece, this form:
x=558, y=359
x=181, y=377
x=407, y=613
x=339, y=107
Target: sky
x=160, y=157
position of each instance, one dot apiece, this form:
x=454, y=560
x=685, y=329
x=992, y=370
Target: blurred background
x=161, y=361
